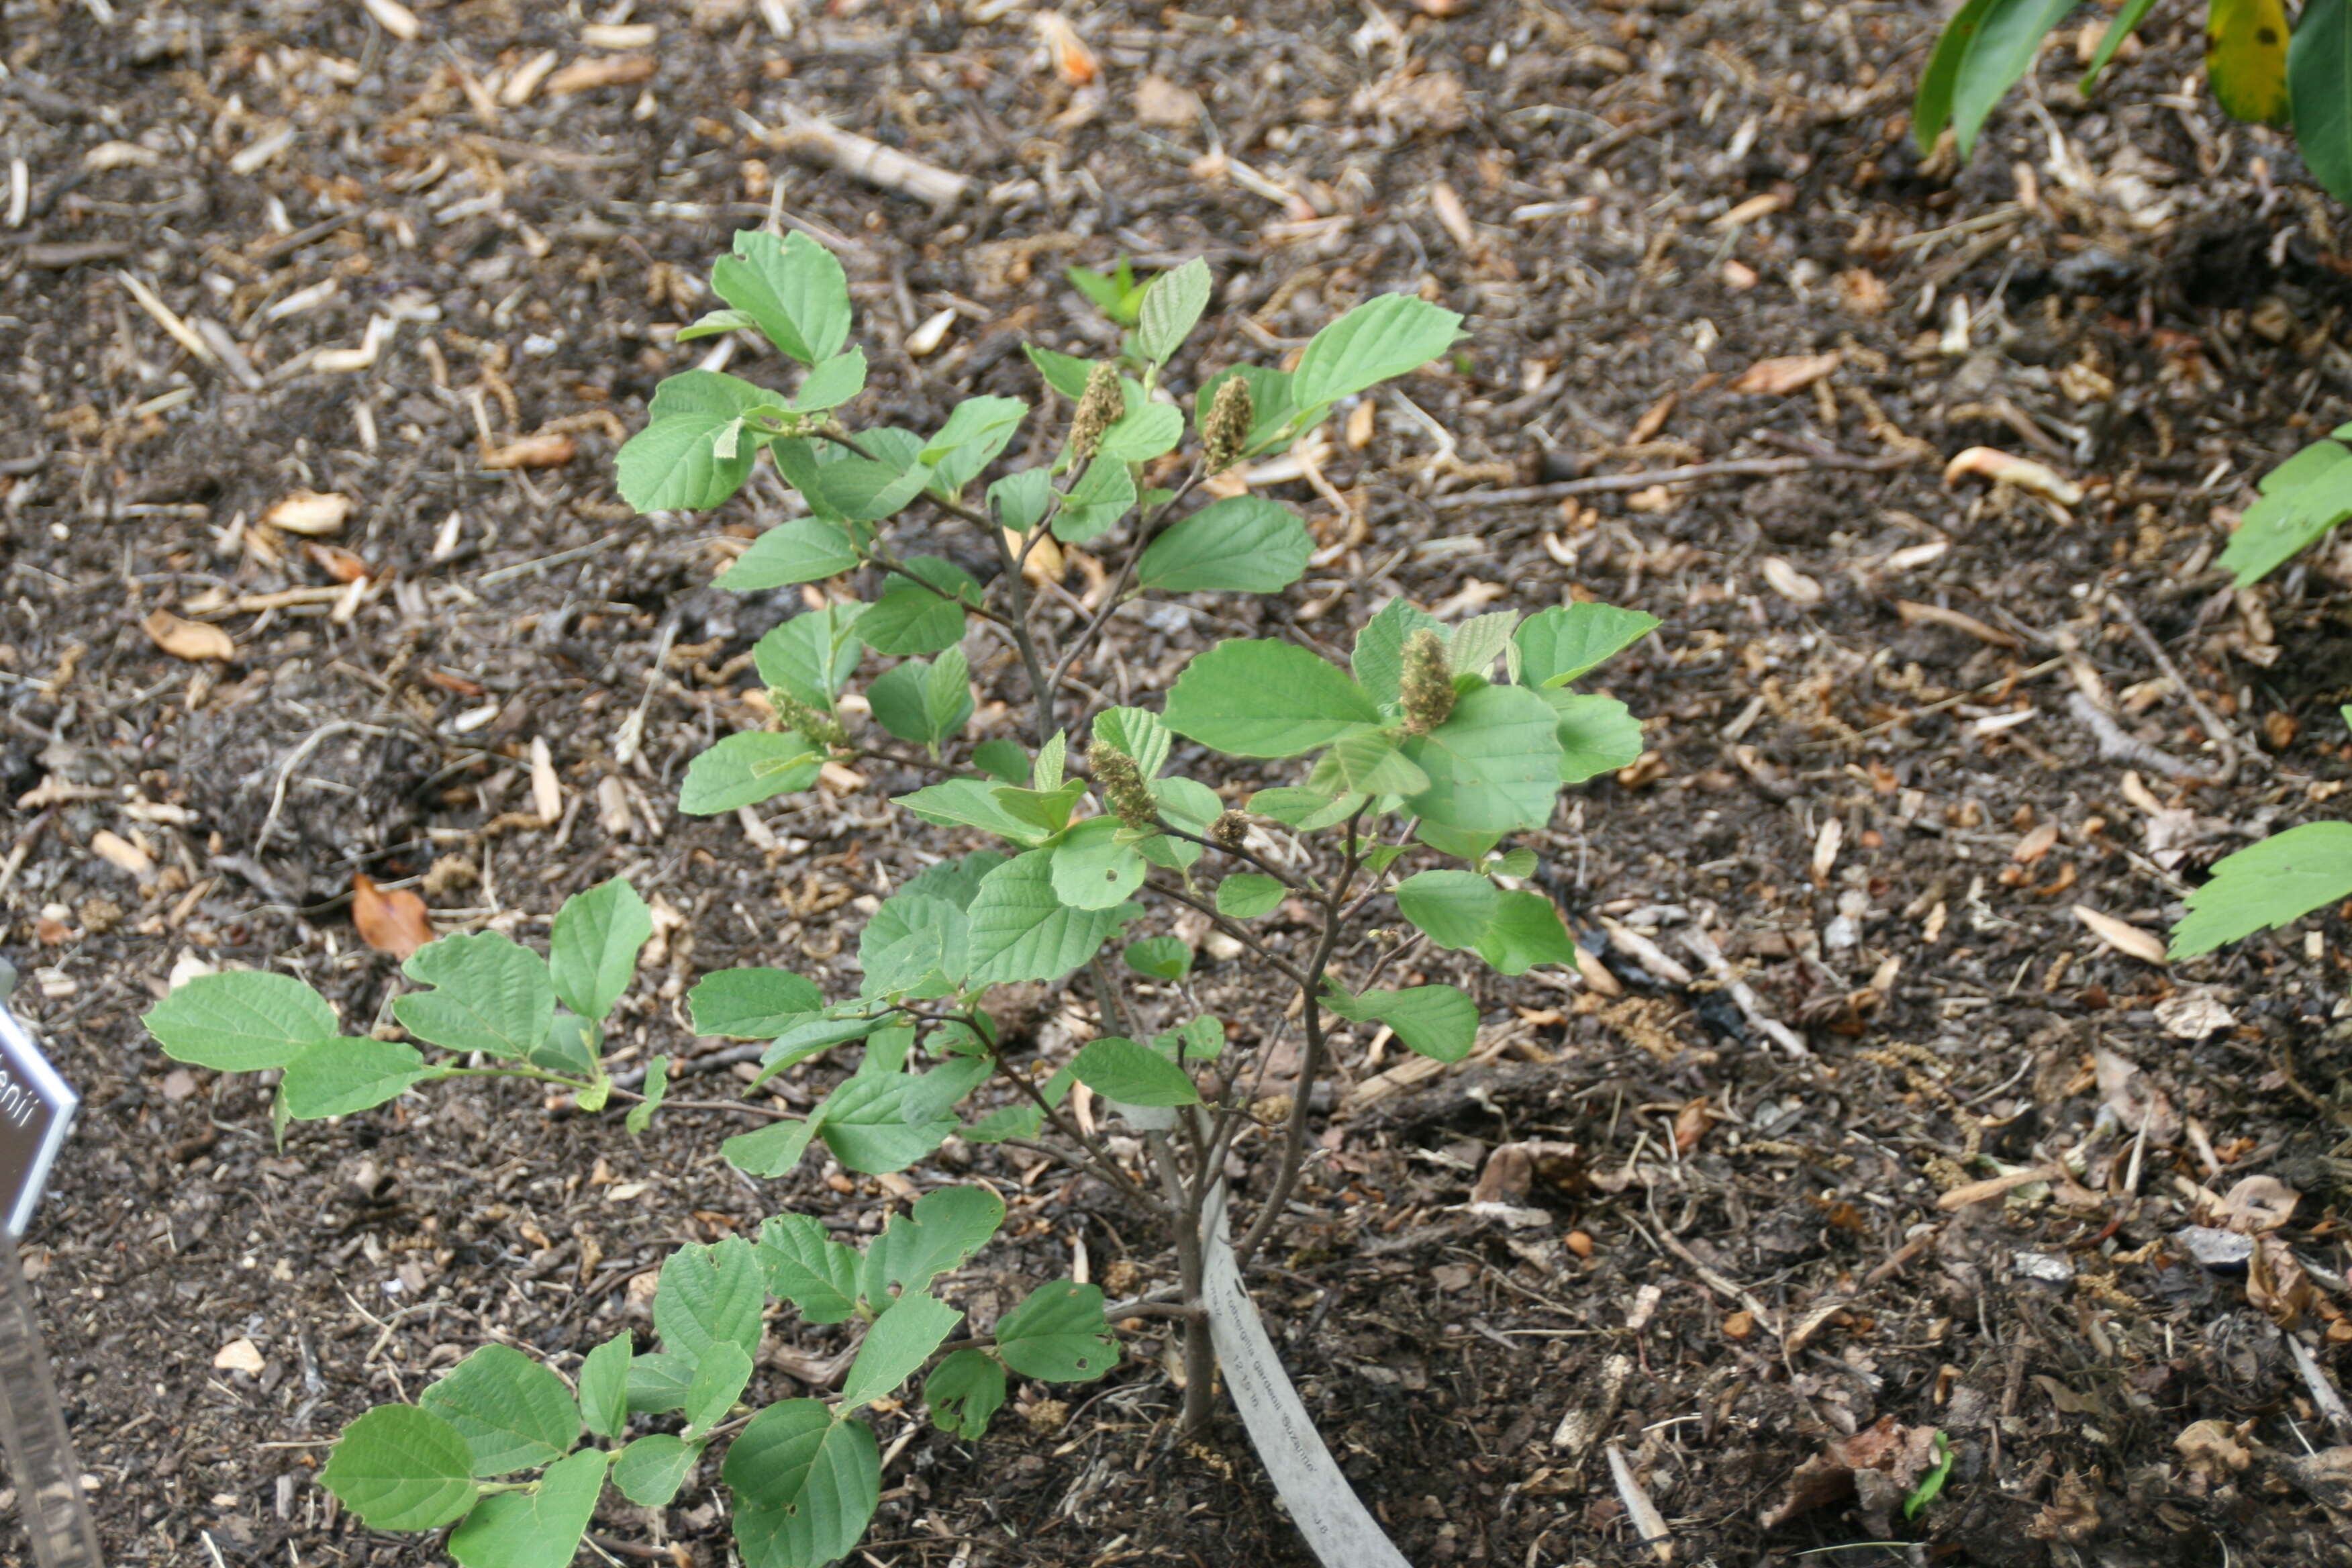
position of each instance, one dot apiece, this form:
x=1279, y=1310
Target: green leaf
x=512, y=1412
x=1047, y=774
x=1438, y=1021
x=1379, y=659
x=1271, y=406
x=242, y=1021
x=1059, y=1334
x=492, y=994
x=1021, y=500
x=536, y=1529
x=1021, y=930
x=805, y=550
x=831, y=384
x=1452, y=909
x=711, y=1295
x=1519, y=862
x=605, y=1386
x=657, y=1087
x=901, y=1339
x=651, y=1470
x=1262, y=698
x=1139, y=732
x=865, y=1128
x=912, y=619
x=1525, y=931
x=720, y=1374
x=1066, y=373
x=903, y=698
x=1187, y=804
x=2301, y=501
x=946, y=1226
x=793, y=289
x=805, y=1484
x=963, y=1392
x=573, y=1045
x=659, y=1382
x=744, y=770
x=958, y=880
x=1985, y=49
x=1161, y=957
x=1171, y=307
x=1146, y=430
x=811, y=655
x=805, y=1266
x=1002, y=759
x=1568, y=641
x=1596, y=735
x=978, y=429
x=2122, y=25
x=1093, y=869
x=1242, y=544
x=673, y=463
x=711, y=323
x=1006, y=1122
x=1381, y=338
x=1305, y=809
x=1472, y=647
x=337, y=1078
x=593, y=1099
x=400, y=1468
x=970, y=802
x=2281, y=878
x=1200, y=1040
x=1368, y=763
x=1493, y=766
x=1245, y=895
x=1132, y=1074
x=1101, y=496
x=750, y=1003
x=1044, y=811
x=592, y=957
x=916, y=944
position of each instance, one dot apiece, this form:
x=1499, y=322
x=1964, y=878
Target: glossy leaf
x=1984, y=51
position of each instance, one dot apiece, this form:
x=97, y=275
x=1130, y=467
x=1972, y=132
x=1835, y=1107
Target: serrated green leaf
x=512, y=1412
x=901, y=1339
x=2318, y=66
x=963, y=1392
x=721, y=1374
x=1262, y=698
x=400, y=1468
x=491, y=995
x=746, y=769
x=1379, y=659
x=1006, y=1122
x=673, y=463
x=1452, y=909
x=1245, y=895
x=592, y=955
x=1045, y=812
x=1568, y=641
x=1066, y=373
x=573, y=1045
x=1161, y=957
x=605, y=1386
x=241, y=1021
x=650, y=1470
x=1059, y=1334
x=793, y=289
x=970, y=802
x=805, y=1266
x=1519, y=862
x=772, y=1150
x=1596, y=735
x=805, y=1484
x=900, y=700
x=942, y=1231
x=1305, y=809
x=1093, y=868
x=1146, y=430
x=1020, y=929
x=657, y=1088
x=1102, y=496
x=1019, y=499
x=909, y=618
x=1369, y=763
x=958, y=880
x=1493, y=766
x=339, y=1077
x=1526, y=931
x=540, y=1528
x=811, y=655
x=976, y=431
x=1382, y=338
x=1242, y=544
x=805, y=550
x=1137, y=732
x=915, y=945
x=2281, y=878
x=750, y=1003
x=711, y=323
x=865, y=1128
x=1475, y=645
x=1132, y=1074
x=1171, y=307
x=711, y=1295
x=1437, y=1021
x=1002, y=760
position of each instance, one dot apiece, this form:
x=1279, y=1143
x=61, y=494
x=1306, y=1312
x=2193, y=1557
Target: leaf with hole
x=963, y=1390
x=805, y=1484
x=1058, y=1335
x=1094, y=869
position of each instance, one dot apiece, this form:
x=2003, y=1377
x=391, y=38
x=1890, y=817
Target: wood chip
x=1790, y=372
x=391, y=920
x=586, y=75
x=122, y=855
x=1447, y=204
x=2121, y=935
x=620, y=35
x=394, y=18
x=1915, y=613
x=190, y=640
x=533, y=452
x=1787, y=582
x=240, y=1355
x=1072, y=61
x=546, y=790
x=2034, y=478
x=310, y=512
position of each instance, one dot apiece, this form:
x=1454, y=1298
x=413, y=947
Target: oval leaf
x=1243, y=545
x=242, y=1021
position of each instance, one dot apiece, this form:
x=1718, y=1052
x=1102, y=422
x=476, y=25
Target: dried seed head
x=1229, y=828
x=1227, y=428
x=1120, y=779
x=1097, y=411
x=1427, y=683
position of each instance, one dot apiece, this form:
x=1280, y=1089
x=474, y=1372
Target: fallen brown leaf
x=390, y=920
x=2122, y=935
x=191, y=640
x=2212, y=1449
x=2138, y=1103
x=1890, y=1456
x=2072, y=1515
x=1790, y=372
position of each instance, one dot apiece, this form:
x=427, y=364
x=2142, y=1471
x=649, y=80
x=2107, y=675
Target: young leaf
x=1093, y=869
x=1242, y=544
x=750, y=1003
x=865, y=1128
x=1271, y=406
x=793, y=289
x=1094, y=504
x=1439, y=1021
x=1568, y=641
x=1305, y=809
x=573, y=1045
x=1139, y=732
x=2301, y=501
x=978, y=429
x=811, y=655
x=1383, y=337
x=1368, y=763
x=651, y=1470
x=901, y=1339
x=1493, y=766
x=1984, y=51
x=1161, y=957
x=711, y=323
x=1058, y=1335
x=805, y=1484
x=1526, y=931
x=491, y=995
x=605, y=1386
x=1452, y=909
x=963, y=1392
x=746, y=769
x=657, y=1087
x=805, y=550
x=1045, y=774
x=1021, y=930
x=1066, y=373
x=1132, y=1074
x=1519, y=862
x=1262, y=698
x=1044, y=811
x=513, y=1413
x=1474, y=646
x=947, y=695
x=1596, y=735
x=536, y=1529
x=673, y=463
x=1379, y=659
x=720, y=1374
x=972, y=803
x=711, y=1295
x=2281, y=878
x=2245, y=59
x=337, y=1078
x=1171, y=307
x=594, y=953
x=1002, y=759
x=242, y=1021
x=1021, y=498
x=1245, y=895
x=805, y=1266
x=400, y=1468
x=911, y=618
x=1146, y=430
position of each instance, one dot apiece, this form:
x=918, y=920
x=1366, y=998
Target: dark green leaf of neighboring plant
x=241, y=1021
x=2122, y=25
x=746, y=769
x=1264, y=698
x=400, y=1468
x=963, y=1392
x=1242, y=544
x=491, y=995
x=1059, y=1334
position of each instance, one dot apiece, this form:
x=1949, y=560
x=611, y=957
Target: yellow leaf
x=2245, y=59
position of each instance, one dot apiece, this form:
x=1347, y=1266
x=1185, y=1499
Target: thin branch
x=1238, y=933
x=1734, y=468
